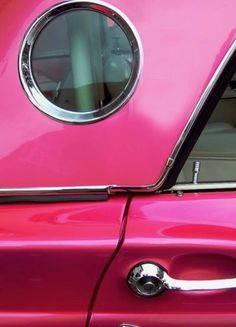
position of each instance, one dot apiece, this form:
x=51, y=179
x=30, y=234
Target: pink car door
x=177, y=263
x=192, y=239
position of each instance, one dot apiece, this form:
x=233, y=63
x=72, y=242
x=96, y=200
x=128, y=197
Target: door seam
x=110, y=260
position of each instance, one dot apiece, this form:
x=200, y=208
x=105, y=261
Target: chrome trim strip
x=33, y=191
x=106, y=189
x=25, y=67
x=203, y=186
x=197, y=285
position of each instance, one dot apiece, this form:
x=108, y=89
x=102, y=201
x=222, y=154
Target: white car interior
x=215, y=150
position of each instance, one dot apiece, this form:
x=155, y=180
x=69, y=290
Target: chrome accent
x=162, y=278
x=196, y=171
x=146, y=279
x=33, y=191
x=179, y=194
x=203, y=186
x=106, y=189
x=25, y=68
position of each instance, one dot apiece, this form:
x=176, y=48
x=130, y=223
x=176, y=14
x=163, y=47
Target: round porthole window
x=80, y=61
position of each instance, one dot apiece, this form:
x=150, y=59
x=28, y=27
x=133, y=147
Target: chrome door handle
x=149, y=279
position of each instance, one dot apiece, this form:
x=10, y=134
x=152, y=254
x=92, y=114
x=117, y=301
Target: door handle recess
x=149, y=279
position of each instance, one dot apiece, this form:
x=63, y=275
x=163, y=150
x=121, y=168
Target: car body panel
x=66, y=264
x=52, y=256
x=46, y=319
x=183, y=43
x=193, y=237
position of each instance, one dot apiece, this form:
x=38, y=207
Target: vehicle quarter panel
x=51, y=258
x=183, y=43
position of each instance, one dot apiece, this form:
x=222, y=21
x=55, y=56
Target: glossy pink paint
x=52, y=255
x=183, y=41
x=51, y=258
x=192, y=237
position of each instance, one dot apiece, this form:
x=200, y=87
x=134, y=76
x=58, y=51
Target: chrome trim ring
x=25, y=67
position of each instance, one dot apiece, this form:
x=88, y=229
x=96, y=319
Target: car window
x=80, y=63
x=57, y=57
x=213, y=158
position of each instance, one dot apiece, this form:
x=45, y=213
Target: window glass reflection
x=213, y=158
x=82, y=61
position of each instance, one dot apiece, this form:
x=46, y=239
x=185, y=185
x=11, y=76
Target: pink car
x=118, y=163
